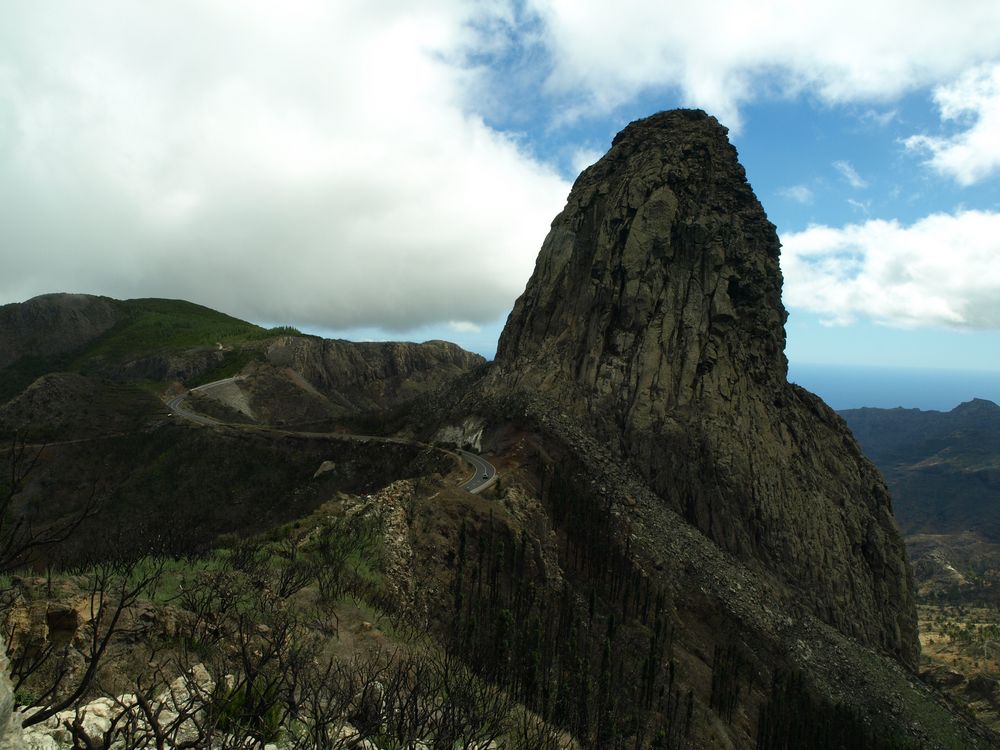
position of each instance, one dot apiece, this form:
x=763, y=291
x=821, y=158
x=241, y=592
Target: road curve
x=178, y=407
x=484, y=473
x=483, y=476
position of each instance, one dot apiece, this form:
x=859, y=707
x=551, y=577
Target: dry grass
x=966, y=640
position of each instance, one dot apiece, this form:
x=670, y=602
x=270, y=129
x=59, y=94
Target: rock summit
x=654, y=314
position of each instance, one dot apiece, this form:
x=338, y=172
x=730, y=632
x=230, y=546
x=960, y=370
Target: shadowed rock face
x=357, y=376
x=654, y=313
x=53, y=324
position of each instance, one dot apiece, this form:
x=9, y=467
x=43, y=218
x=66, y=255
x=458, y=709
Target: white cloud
x=583, y=158
x=798, y=193
x=464, y=326
x=849, y=173
x=944, y=270
x=862, y=206
x=973, y=153
x=721, y=54
x=306, y=162
x=879, y=119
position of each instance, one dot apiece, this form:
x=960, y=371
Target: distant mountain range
x=943, y=468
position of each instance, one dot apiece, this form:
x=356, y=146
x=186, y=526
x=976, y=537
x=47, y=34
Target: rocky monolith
x=654, y=314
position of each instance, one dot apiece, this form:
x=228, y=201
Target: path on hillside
x=484, y=473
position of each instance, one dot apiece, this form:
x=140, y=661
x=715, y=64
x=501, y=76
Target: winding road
x=176, y=404
x=484, y=473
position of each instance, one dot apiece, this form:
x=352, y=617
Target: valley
x=940, y=467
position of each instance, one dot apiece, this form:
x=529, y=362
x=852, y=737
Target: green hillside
x=153, y=325
x=147, y=327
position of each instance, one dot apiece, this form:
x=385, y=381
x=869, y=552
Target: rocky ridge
x=654, y=316
x=286, y=377
x=306, y=380
x=358, y=376
x=720, y=600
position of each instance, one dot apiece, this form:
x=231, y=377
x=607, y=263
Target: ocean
x=848, y=387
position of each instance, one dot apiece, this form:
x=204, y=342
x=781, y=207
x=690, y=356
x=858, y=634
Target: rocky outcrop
x=11, y=737
x=53, y=324
x=467, y=434
x=183, y=365
x=307, y=381
x=654, y=315
x=359, y=376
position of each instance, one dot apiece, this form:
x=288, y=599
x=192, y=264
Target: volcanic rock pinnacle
x=654, y=314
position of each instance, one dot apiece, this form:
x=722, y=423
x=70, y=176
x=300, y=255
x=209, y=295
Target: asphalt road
x=177, y=406
x=484, y=473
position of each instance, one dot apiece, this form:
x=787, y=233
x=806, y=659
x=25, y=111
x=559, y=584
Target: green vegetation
x=287, y=331
x=258, y=616
x=960, y=646
x=250, y=709
x=150, y=326
x=22, y=373
x=153, y=325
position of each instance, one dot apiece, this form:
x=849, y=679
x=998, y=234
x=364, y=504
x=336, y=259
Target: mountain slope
x=943, y=467
x=99, y=335
x=161, y=344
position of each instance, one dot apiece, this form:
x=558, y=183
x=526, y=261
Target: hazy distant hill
x=943, y=468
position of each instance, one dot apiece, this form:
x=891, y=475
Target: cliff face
x=654, y=314
x=370, y=375
x=53, y=324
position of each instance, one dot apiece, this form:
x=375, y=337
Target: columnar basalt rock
x=654, y=313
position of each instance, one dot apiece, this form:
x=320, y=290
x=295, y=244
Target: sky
x=388, y=169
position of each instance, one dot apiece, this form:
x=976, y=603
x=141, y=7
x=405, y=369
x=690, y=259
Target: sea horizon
x=855, y=387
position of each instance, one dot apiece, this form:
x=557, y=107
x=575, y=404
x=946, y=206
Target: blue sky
x=388, y=170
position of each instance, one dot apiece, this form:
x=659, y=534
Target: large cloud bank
x=306, y=162
x=328, y=164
